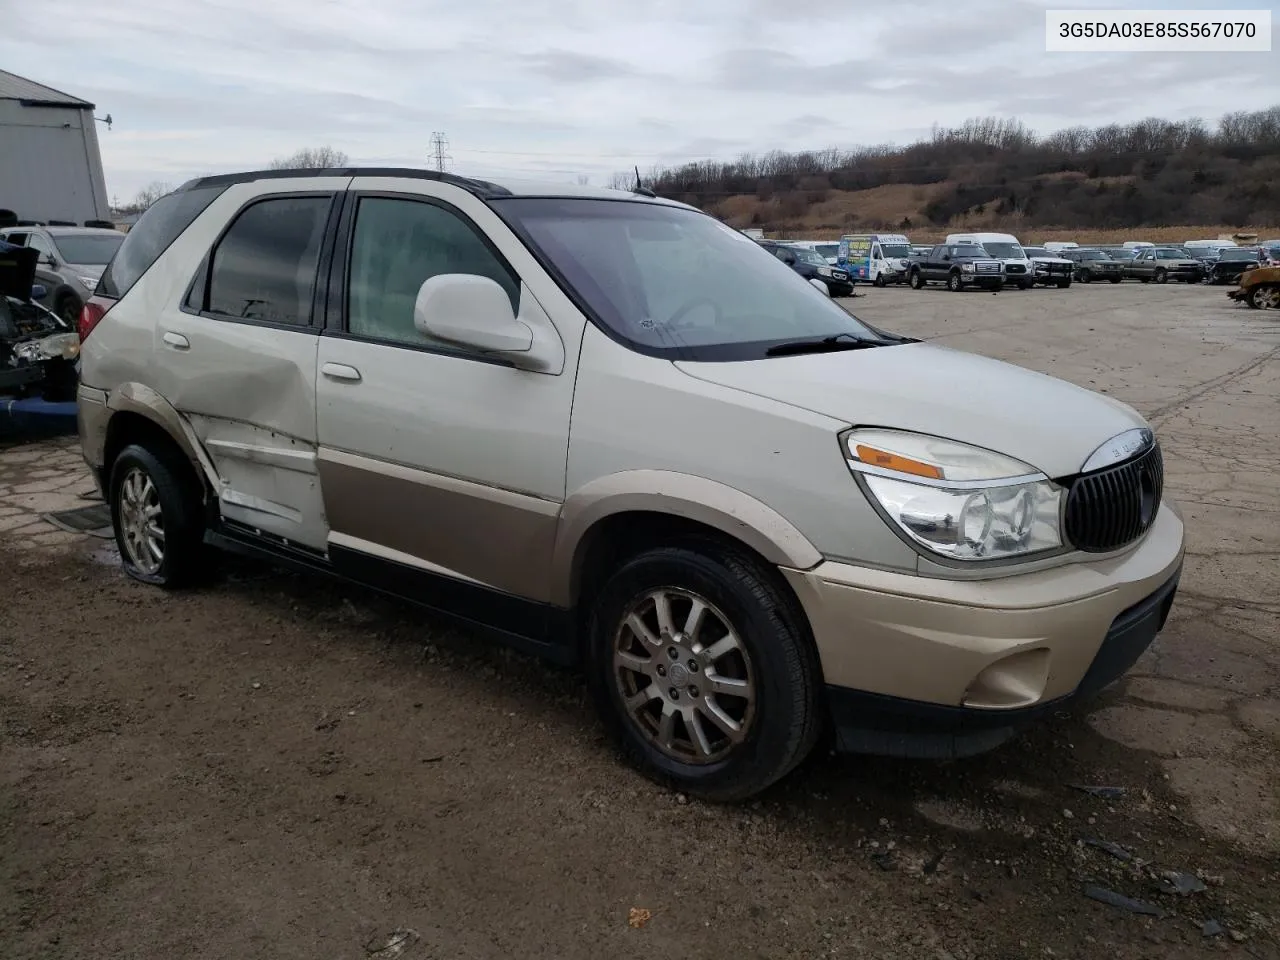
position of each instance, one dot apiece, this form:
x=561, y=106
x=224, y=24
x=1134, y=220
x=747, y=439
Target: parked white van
x=1137, y=244
x=1053, y=246
x=1005, y=248
x=1196, y=247
x=878, y=258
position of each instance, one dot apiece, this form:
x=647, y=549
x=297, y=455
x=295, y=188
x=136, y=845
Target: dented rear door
x=238, y=358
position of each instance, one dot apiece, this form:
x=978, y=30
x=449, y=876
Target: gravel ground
x=275, y=767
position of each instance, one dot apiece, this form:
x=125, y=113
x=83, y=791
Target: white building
x=50, y=167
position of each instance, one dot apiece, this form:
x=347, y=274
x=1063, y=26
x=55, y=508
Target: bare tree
x=583, y=179
x=147, y=196
x=311, y=158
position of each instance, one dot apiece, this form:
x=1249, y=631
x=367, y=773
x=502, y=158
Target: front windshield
x=828, y=250
x=808, y=255
x=1236, y=254
x=1008, y=251
x=1092, y=255
x=893, y=251
x=94, y=249
x=676, y=282
x=1166, y=254
x=1036, y=252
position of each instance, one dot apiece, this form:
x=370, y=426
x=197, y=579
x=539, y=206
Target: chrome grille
x=1113, y=507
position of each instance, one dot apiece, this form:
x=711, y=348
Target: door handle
x=340, y=371
x=176, y=340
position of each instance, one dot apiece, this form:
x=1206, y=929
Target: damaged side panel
x=248, y=393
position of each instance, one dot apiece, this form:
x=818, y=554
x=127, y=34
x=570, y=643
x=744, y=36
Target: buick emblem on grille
x=1120, y=447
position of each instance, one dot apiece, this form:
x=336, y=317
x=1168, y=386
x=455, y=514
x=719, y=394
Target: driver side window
x=37, y=242
x=398, y=245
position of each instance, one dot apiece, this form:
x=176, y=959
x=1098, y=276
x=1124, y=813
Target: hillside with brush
x=997, y=174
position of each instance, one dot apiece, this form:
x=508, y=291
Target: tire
x=1115, y=279
x=773, y=658
x=916, y=280
x=1063, y=284
x=1144, y=279
x=1086, y=276
x=1025, y=284
x=954, y=283
x=1265, y=296
x=69, y=307
x=174, y=491
x=1162, y=276
x=880, y=280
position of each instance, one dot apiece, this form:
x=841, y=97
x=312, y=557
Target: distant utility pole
x=439, y=144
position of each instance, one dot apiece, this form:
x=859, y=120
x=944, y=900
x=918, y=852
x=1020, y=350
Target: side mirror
x=946, y=256
x=471, y=311
x=48, y=260
x=826, y=291
x=39, y=291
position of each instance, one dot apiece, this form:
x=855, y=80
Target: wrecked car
x=39, y=351
x=1259, y=288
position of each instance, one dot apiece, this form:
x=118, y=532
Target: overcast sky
x=562, y=88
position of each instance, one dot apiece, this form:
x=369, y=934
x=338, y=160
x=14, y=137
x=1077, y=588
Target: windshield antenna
x=640, y=188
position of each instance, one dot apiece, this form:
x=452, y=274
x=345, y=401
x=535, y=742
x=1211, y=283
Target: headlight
x=91, y=283
x=955, y=500
x=64, y=346
x=824, y=271
x=966, y=268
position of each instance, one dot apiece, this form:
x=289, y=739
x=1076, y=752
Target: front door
x=237, y=358
x=436, y=459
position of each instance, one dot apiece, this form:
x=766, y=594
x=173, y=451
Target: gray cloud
x=576, y=87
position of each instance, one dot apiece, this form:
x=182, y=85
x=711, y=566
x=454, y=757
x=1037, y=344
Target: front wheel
x=1025, y=284
x=703, y=672
x=954, y=283
x=916, y=280
x=880, y=280
x=1162, y=276
x=156, y=512
x=1264, y=297
x=1063, y=284
x=1115, y=279
x=1086, y=276
x=69, y=308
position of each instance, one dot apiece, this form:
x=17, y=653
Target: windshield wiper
x=825, y=345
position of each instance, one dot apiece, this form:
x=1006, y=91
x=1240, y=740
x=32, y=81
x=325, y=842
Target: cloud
x=570, y=87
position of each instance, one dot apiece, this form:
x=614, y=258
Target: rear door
x=237, y=358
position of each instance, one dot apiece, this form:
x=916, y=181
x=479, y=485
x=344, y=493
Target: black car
x=1091, y=264
x=959, y=265
x=812, y=266
x=38, y=349
x=1234, y=261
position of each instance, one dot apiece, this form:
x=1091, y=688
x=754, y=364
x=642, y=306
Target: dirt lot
x=274, y=767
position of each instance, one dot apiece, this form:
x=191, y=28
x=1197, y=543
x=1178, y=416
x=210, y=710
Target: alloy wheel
x=141, y=521
x=1267, y=298
x=684, y=675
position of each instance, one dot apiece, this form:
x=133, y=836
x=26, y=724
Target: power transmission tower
x=439, y=144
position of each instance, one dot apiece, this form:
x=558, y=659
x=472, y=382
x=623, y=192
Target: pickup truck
x=958, y=265
x=1163, y=264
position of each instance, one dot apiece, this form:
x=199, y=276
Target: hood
x=1050, y=258
x=94, y=270
x=17, y=270
x=1045, y=422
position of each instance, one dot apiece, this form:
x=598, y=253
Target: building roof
x=14, y=87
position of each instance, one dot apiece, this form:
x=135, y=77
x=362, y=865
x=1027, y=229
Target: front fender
x=723, y=508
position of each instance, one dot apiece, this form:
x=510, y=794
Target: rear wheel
x=954, y=283
x=1265, y=297
x=916, y=280
x=157, y=515
x=703, y=672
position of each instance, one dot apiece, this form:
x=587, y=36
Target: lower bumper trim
x=879, y=724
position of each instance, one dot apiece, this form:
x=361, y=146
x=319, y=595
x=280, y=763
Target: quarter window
x=37, y=242
x=264, y=268
x=400, y=244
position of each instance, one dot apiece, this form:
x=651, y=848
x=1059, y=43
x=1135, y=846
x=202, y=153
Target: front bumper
x=928, y=667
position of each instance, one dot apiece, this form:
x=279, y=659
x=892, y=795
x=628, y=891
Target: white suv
x=617, y=432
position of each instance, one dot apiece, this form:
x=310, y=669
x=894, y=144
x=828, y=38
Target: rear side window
x=151, y=236
x=264, y=267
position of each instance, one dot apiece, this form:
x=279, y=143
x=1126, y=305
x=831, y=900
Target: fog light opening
x=1017, y=680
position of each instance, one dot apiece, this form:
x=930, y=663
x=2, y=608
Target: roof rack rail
x=481, y=188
